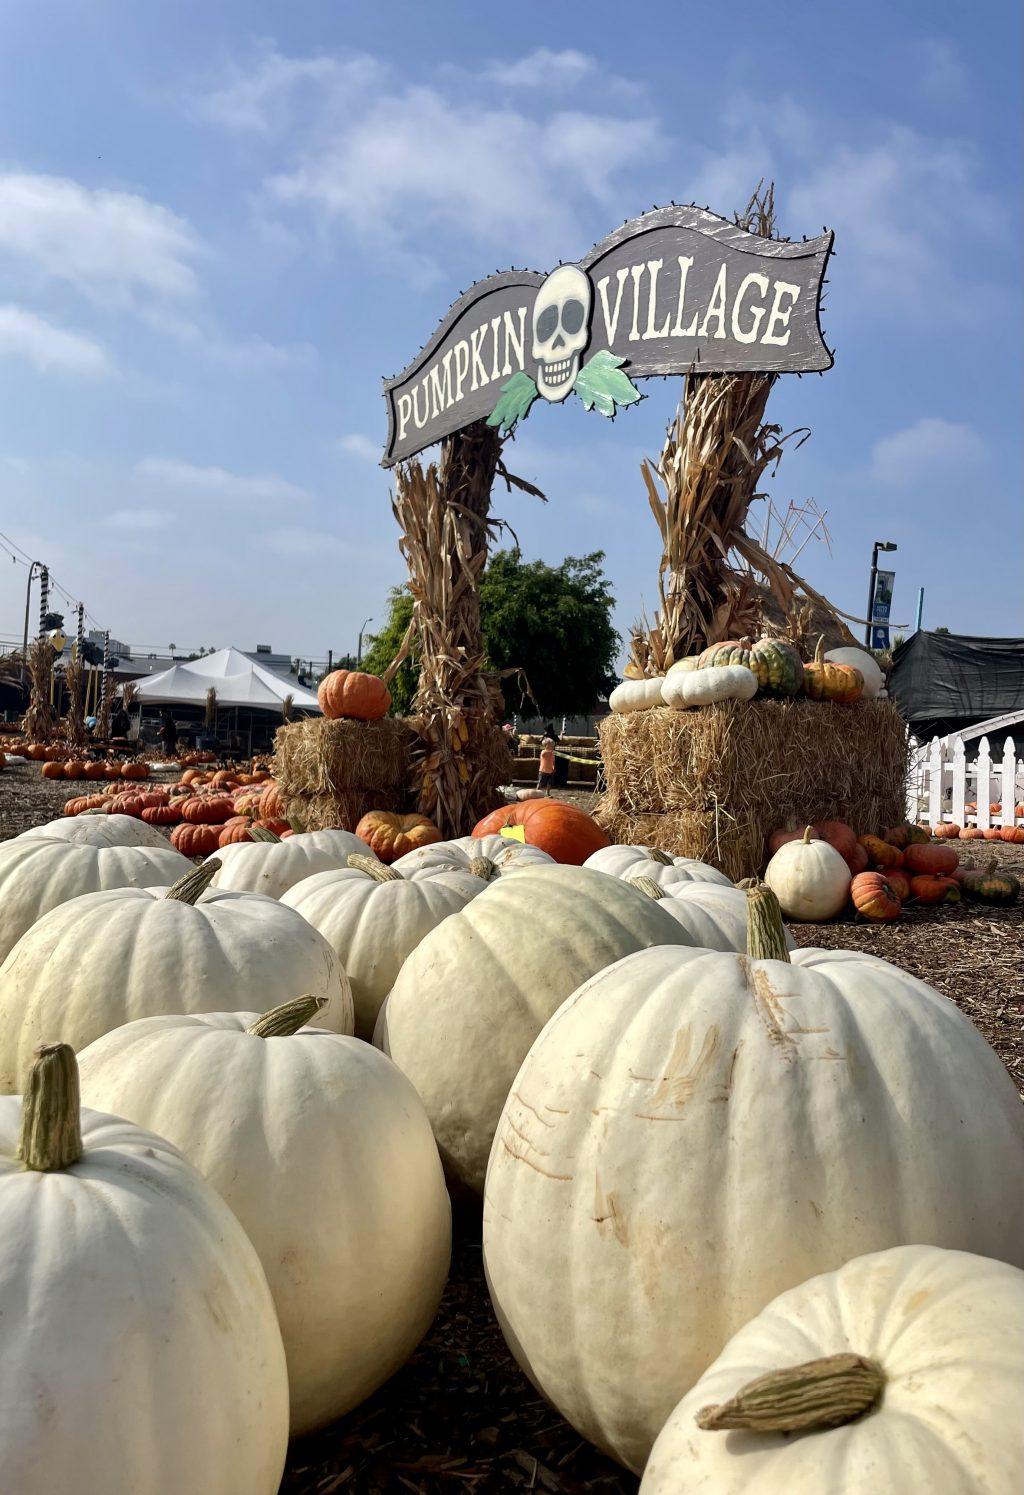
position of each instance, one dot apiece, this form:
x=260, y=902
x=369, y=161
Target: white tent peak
x=238, y=681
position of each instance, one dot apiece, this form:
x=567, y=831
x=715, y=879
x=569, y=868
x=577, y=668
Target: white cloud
x=261, y=97
x=138, y=519
x=112, y=246
x=940, y=73
x=929, y=449
x=218, y=481
x=543, y=68
x=23, y=334
x=362, y=447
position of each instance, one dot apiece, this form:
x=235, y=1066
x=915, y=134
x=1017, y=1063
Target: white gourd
x=636, y=695
x=39, y=873
x=694, y=1133
x=108, y=958
x=99, y=830
x=809, y=878
x=943, y=1335
x=645, y=861
x=373, y=917
x=474, y=994
x=503, y=855
x=860, y=659
x=702, y=687
x=272, y=867
x=141, y=1351
x=322, y=1150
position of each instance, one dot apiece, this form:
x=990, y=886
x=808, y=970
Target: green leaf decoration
x=517, y=395
x=601, y=384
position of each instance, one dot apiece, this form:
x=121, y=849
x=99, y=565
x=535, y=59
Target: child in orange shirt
x=546, y=777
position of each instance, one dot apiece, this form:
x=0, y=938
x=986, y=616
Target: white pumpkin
x=38, y=873
x=108, y=958
x=684, y=666
x=715, y=918
x=636, y=695
x=860, y=659
x=99, y=830
x=937, y=1407
x=694, y=1133
x=475, y=993
x=141, y=1348
x=647, y=861
x=809, y=878
x=720, y=682
x=272, y=867
x=323, y=1151
x=503, y=855
x=373, y=917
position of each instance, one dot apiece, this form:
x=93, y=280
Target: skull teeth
x=554, y=373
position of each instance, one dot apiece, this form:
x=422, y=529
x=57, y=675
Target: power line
x=16, y=553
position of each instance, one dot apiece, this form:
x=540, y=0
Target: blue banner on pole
x=880, y=608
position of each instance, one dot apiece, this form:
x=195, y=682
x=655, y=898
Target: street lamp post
x=878, y=545
x=359, y=646
x=35, y=566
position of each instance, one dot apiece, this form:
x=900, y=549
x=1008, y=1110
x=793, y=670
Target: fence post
x=959, y=782
x=1008, y=787
x=984, y=790
x=935, y=784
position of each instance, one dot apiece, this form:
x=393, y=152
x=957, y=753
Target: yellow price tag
x=513, y=833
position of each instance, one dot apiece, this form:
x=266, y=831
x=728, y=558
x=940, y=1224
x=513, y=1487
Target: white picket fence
x=943, y=781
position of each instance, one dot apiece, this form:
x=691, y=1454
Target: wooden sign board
x=676, y=289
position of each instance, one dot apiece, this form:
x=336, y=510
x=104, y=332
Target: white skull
x=561, y=326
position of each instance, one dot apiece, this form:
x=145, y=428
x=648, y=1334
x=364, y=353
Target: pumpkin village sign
x=678, y=289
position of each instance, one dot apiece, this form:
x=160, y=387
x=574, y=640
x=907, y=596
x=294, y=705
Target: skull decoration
x=561, y=326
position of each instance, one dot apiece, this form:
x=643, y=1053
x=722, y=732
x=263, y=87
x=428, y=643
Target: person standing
x=168, y=732
x=546, y=776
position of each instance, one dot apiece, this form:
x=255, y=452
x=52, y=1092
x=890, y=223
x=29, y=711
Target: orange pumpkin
x=931, y=888
x=82, y=802
x=111, y=770
x=279, y=827
x=224, y=779
x=899, y=880
x=881, y=853
x=971, y=833
x=236, y=830
x=946, y=832
x=844, y=838
x=874, y=897
x=94, y=770
x=52, y=770
x=390, y=836
x=36, y=751
x=195, y=840
x=564, y=832
x=271, y=805
x=1014, y=834
x=74, y=768
x=825, y=681
x=353, y=693
x=993, y=833
x=783, y=837
x=193, y=776
x=905, y=835
x=210, y=810
x=53, y=754
x=934, y=859
x=135, y=770
x=162, y=815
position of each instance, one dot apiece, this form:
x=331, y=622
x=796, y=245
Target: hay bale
x=342, y=811
x=332, y=772
x=715, y=782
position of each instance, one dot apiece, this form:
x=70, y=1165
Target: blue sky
x=220, y=225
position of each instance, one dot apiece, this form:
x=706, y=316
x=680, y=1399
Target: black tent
x=944, y=682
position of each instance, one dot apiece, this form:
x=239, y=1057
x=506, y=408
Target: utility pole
x=878, y=545
x=330, y=660
x=359, y=646
x=32, y=570
x=80, y=636
x=44, y=597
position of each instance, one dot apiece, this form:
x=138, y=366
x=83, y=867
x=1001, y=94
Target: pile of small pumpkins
x=817, y=872
x=790, y=1182
x=1013, y=835
x=738, y=670
x=57, y=765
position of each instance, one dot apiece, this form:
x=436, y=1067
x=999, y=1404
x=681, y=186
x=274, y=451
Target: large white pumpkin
x=141, y=1352
x=694, y=1133
x=702, y=687
x=943, y=1335
x=373, y=918
x=272, y=867
x=713, y=917
x=475, y=993
x=809, y=878
x=108, y=958
x=323, y=1151
x=646, y=861
x=503, y=855
x=99, y=830
x=38, y=873
x=636, y=695
x=860, y=659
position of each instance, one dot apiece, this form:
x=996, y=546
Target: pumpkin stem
x=51, y=1123
x=766, y=933
x=373, y=868
x=818, y=1394
x=261, y=833
x=282, y=1021
x=819, y=653
x=808, y=833
x=191, y=886
x=661, y=857
x=484, y=868
x=646, y=885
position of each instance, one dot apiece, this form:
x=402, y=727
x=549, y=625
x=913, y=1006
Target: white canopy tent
x=238, y=681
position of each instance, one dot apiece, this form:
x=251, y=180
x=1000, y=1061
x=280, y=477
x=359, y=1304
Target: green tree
x=552, y=622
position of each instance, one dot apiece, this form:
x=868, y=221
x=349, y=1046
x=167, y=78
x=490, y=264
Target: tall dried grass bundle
x=210, y=715
x=74, y=683
x=714, y=782
x=39, y=718
x=323, y=757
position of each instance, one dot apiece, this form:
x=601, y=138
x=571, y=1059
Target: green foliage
x=601, y=382
x=553, y=622
x=517, y=395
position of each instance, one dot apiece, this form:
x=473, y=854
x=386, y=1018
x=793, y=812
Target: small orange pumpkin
x=135, y=770
x=353, y=693
x=52, y=770
x=1014, y=834
x=934, y=859
x=236, y=830
x=881, y=853
x=946, y=832
x=971, y=833
x=82, y=802
x=94, y=770
x=390, y=836
x=195, y=840
x=874, y=897
x=899, y=880
x=825, y=681
x=905, y=835
x=993, y=833
x=271, y=803
x=162, y=814
x=210, y=810
x=932, y=888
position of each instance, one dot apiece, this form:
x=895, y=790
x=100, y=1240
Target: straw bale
x=318, y=756
x=342, y=810
x=714, y=782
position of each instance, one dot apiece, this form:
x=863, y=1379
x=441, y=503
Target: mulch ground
x=460, y=1415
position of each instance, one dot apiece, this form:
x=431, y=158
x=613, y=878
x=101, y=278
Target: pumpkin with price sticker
x=564, y=832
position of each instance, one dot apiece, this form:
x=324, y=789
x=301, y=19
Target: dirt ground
x=460, y=1416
